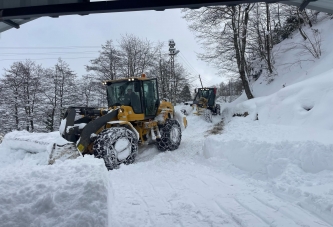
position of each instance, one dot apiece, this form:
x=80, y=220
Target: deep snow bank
x=267, y=150
x=31, y=142
x=24, y=148
x=301, y=92
x=307, y=103
x=271, y=159
x=294, y=162
x=69, y=193
x=32, y=193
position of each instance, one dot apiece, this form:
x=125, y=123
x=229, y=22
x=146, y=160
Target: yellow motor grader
x=204, y=103
x=135, y=115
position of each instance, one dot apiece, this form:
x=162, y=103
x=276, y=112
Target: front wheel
x=116, y=145
x=208, y=115
x=171, y=135
x=218, y=109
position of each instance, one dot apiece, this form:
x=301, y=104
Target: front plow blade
x=181, y=118
x=63, y=152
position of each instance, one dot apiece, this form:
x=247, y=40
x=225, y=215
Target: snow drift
x=69, y=193
x=32, y=142
x=33, y=193
x=28, y=148
x=307, y=103
x=271, y=159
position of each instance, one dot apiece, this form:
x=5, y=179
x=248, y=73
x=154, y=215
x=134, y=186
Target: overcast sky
x=94, y=30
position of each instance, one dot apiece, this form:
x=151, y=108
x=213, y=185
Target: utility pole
x=162, y=79
x=172, y=54
x=229, y=90
x=200, y=81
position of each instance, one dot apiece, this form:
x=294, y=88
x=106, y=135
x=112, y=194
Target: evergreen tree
x=185, y=94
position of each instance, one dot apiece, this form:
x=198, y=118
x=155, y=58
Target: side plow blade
x=63, y=152
x=51, y=144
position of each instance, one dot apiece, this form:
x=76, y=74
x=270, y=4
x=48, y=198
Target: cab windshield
x=124, y=93
x=202, y=93
x=207, y=94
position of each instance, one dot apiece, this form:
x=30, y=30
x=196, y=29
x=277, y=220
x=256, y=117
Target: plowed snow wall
x=271, y=159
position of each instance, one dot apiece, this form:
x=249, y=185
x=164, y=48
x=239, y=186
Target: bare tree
x=10, y=96
x=223, y=31
x=107, y=65
x=31, y=75
x=89, y=90
x=137, y=55
x=66, y=84
x=231, y=90
x=260, y=40
x=51, y=83
x=22, y=84
x=312, y=44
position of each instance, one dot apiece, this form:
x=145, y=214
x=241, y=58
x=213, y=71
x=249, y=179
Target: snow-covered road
x=183, y=188
x=211, y=180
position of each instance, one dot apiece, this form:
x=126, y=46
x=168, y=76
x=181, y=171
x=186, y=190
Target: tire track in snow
x=264, y=219
x=238, y=214
x=238, y=221
x=314, y=213
x=164, y=200
x=290, y=214
x=267, y=204
x=321, y=219
x=285, y=215
x=211, y=176
x=151, y=222
x=199, y=179
x=198, y=212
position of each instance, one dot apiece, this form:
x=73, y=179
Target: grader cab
x=204, y=103
x=135, y=115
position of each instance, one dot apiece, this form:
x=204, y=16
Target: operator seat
x=135, y=103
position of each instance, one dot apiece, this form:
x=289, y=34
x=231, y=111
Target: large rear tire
x=171, y=135
x=116, y=145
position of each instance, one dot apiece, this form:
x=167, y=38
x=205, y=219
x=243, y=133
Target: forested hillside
x=251, y=41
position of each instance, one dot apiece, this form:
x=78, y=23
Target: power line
x=194, y=70
x=205, y=82
x=189, y=71
x=187, y=67
x=189, y=63
x=40, y=59
x=194, y=74
x=50, y=53
x=59, y=47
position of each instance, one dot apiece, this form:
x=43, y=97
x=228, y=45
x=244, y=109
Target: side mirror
x=137, y=86
x=195, y=90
